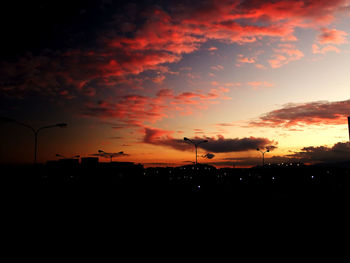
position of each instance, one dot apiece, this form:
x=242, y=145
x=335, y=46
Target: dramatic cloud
x=153, y=37
x=161, y=137
x=312, y=113
x=339, y=152
x=221, y=144
x=216, y=145
x=138, y=109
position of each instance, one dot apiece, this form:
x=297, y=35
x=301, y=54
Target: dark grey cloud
x=208, y=155
x=339, y=152
x=214, y=145
x=221, y=144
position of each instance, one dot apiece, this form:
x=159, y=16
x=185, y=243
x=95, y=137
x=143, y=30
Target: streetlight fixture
x=263, y=153
x=195, y=144
x=110, y=155
x=35, y=131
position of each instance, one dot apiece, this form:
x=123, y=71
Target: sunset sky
x=139, y=76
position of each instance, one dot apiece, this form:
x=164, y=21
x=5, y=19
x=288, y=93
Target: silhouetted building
x=68, y=163
x=52, y=164
x=89, y=161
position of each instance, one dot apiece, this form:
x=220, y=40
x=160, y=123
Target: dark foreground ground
x=240, y=211
x=134, y=188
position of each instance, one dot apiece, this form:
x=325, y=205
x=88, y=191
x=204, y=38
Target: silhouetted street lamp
x=35, y=131
x=263, y=153
x=110, y=155
x=195, y=144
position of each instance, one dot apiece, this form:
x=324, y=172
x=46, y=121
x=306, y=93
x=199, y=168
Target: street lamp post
x=35, y=131
x=263, y=153
x=195, y=144
x=110, y=155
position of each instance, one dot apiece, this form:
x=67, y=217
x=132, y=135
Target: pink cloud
x=317, y=50
x=332, y=36
x=242, y=59
x=217, y=67
x=136, y=109
x=159, y=79
x=260, y=66
x=312, y=113
x=260, y=84
x=284, y=54
x=164, y=37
